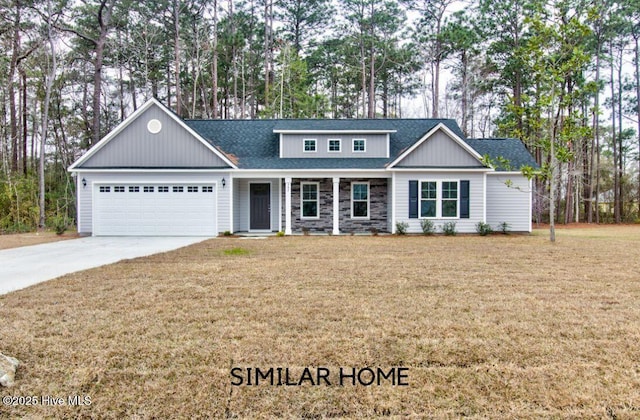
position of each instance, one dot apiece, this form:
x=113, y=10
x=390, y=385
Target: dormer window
x=335, y=145
x=359, y=145
x=309, y=145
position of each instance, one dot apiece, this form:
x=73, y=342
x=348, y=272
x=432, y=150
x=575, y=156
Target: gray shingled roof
x=513, y=150
x=254, y=145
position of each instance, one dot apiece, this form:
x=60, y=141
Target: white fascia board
x=315, y=173
x=334, y=131
x=424, y=138
x=487, y=170
x=506, y=173
x=153, y=101
x=149, y=170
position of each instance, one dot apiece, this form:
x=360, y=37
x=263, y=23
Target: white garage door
x=154, y=210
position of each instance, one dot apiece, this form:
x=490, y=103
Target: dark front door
x=260, y=206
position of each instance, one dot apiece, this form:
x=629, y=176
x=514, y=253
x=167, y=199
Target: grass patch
x=236, y=251
x=503, y=326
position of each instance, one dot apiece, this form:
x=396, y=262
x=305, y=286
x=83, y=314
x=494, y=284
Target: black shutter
x=464, y=199
x=413, y=199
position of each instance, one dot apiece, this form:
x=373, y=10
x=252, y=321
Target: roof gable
x=440, y=147
x=136, y=144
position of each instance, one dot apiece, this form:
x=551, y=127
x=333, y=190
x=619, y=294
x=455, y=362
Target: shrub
x=59, y=224
x=449, y=228
x=19, y=207
x=401, y=228
x=280, y=234
x=504, y=227
x=483, y=228
x=305, y=231
x=226, y=233
x=428, y=227
x=373, y=231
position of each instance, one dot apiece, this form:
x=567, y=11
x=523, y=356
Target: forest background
x=561, y=75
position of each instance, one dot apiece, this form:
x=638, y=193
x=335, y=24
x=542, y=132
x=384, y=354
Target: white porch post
x=287, y=206
x=336, y=206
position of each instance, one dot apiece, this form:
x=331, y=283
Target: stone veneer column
x=287, y=206
x=336, y=206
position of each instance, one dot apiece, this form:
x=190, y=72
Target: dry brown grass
x=498, y=326
x=33, y=238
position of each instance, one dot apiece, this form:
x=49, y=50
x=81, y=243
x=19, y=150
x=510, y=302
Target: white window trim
x=439, y=199
x=368, y=201
x=329, y=146
x=304, y=144
x=317, y=216
x=353, y=145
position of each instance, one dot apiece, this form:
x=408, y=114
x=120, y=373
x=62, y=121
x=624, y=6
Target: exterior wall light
x=224, y=182
x=84, y=183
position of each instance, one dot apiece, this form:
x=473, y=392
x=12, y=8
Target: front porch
x=311, y=205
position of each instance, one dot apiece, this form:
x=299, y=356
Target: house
x=157, y=174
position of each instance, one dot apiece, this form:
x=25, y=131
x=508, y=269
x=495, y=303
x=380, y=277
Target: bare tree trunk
x=104, y=22
x=214, y=64
x=13, y=117
x=176, y=55
x=372, y=66
x=594, y=190
x=465, y=93
x=552, y=188
x=45, y=116
x=620, y=144
x=616, y=179
x=132, y=90
x=121, y=92
x=268, y=52
x=637, y=62
x=372, y=88
x=25, y=115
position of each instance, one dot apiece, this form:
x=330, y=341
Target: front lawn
x=497, y=326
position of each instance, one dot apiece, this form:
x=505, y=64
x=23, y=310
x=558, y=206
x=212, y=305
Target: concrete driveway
x=25, y=266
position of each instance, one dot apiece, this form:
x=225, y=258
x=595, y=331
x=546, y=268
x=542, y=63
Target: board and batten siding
x=439, y=150
x=476, y=199
x=505, y=201
x=85, y=194
x=376, y=145
x=172, y=147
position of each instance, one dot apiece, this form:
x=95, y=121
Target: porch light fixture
x=223, y=182
x=84, y=183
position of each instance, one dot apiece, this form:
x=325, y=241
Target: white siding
x=241, y=206
x=237, y=205
x=85, y=198
x=509, y=200
x=476, y=199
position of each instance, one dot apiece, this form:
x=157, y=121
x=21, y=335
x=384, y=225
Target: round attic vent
x=154, y=126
